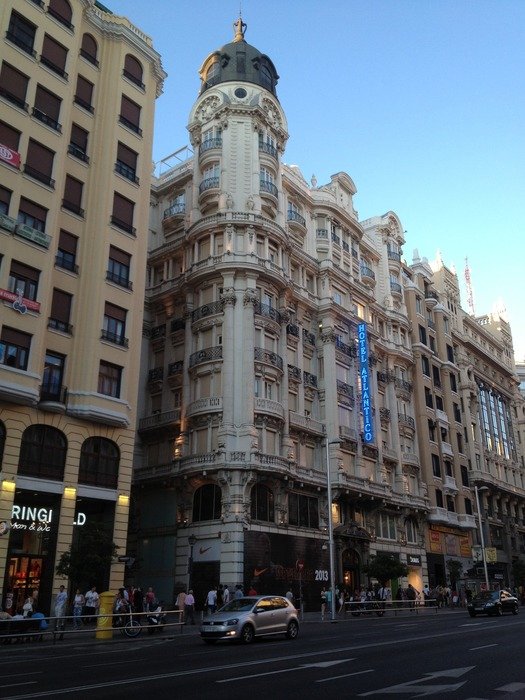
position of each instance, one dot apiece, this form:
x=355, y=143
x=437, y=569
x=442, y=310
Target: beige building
x=77, y=94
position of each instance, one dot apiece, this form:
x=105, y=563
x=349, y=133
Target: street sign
x=491, y=555
x=128, y=561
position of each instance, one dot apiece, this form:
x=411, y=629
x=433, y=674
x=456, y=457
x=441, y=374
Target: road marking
x=320, y=664
x=112, y=663
x=410, y=687
x=16, y=685
x=346, y=675
x=511, y=687
x=485, y=646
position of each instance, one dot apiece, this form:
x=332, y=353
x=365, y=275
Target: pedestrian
x=226, y=594
x=253, y=591
x=323, y=602
x=411, y=596
x=189, y=608
x=91, y=605
x=60, y=610
x=180, y=604
x=238, y=592
x=384, y=594
x=28, y=606
x=289, y=595
x=150, y=601
x=211, y=600
x=138, y=600
x=78, y=605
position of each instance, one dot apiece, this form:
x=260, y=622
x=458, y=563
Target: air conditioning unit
x=7, y=223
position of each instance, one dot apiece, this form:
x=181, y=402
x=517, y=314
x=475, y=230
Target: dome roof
x=238, y=62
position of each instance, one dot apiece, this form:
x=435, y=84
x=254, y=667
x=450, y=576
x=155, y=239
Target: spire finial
x=240, y=29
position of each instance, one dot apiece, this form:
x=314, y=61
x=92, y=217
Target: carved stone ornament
x=250, y=203
x=250, y=297
x=229, y=297
x=207, y=108
x=229, y=201
x=328, y=335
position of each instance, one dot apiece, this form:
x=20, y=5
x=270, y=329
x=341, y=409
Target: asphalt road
x=438, y=655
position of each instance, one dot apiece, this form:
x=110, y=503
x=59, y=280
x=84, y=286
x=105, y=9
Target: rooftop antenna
x=470, y=295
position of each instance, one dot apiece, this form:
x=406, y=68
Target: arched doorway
x=351, y=563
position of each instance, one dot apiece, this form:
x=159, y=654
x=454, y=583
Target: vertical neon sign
x=364, y=373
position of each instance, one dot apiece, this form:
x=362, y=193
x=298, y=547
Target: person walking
x=189, y=608
x=180, y=604
x=149, y=600
x=78, y=605
x=238, y=591
x=60, y=610
x=323, y=602
x=211, y=600
x=226, y=594
x=91, y=604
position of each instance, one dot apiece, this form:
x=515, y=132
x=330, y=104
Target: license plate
x=208, y=628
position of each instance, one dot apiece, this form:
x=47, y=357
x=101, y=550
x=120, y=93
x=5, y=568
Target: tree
x=385, y=567
x=88, y=560
x=455, y=569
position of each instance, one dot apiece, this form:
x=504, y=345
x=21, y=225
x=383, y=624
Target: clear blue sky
x=421, y=102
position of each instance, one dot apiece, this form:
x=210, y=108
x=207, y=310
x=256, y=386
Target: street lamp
x=191, y=541
x=482, y=537
x=330, y=527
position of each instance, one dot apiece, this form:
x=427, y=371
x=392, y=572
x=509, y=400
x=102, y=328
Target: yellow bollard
x=104, y=619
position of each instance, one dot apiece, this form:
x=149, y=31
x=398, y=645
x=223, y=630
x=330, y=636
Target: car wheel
x=499, y=611
x=210, y=641
x=247, y=634
x=472, y=613
x=293, y=630
x=515, y=610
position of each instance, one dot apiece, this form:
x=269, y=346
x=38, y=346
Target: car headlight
x=233, y=621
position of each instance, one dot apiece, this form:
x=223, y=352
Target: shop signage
x=37, y=519
x=364, y=373
x=8, y=155
x=6, y=295
x=414, y=560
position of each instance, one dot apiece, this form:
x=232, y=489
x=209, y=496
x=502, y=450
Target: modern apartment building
x=278, y=343
x=77, y=94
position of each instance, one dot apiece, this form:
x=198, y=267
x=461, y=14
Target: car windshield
x=239, y=605
x=487, y=595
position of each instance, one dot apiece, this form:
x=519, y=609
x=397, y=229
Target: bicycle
x=368, y=607
x=128, y=625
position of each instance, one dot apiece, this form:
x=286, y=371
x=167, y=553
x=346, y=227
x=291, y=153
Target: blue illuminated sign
x=364, y=373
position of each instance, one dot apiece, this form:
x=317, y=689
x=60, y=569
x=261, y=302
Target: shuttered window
x=21, y=32
x=54, y=55
x=9, y=137
x=123, y=213
x=61, y=11
x=47, y=107
x=89, y=49
x=67, y=251
x=73, y=195
x=130, y=114
x=13, y=85
x=24, y=279
x=133, y=70
x=118, y=267
x=60, y=311
x=84, y=93
x=32, y=214
x=126, y=164
x=39, y=163
x=14, y=348
x=5, y=198
x=78, y=143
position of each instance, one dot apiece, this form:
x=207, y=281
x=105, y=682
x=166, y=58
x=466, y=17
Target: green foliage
x=455, y=569
x=385, y=567
x=88, y=560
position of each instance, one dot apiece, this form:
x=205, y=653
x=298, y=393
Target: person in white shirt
x=211, y=600
x=226, y=595
x=92, y=603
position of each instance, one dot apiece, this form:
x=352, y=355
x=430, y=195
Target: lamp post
x=481, y=535
x=191, y=541
x=331, y=552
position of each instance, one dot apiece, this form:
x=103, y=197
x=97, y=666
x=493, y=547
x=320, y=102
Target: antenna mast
x=468, y=282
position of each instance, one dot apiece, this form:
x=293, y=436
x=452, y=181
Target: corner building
x=77, y=92
x=257, y=283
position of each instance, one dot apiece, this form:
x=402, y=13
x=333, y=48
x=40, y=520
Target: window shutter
x=40, y=158
x=13, y=82
x=54, y=52
x=9, y=137
x=61, y=306
x=119, y=256
x=47, y=103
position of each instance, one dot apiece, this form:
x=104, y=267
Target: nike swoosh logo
x=202, y=550
x=258, y=572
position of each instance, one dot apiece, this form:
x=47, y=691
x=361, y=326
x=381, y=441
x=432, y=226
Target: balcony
x=32, y=234
x=44, y=178
x=394, y=255
x=130, y=125
x=133, y=79
x=396, y=288
x=431, y=298
x=368, y=276
x=446, y=449
x=403, y=384
x=292, y=330
x=268, y=148
x=442, y=515
x=349, y=350
x=321, y=233
x=210, y=144
x=83, y=103
x=294, y=374
x=293, y=216
x=78, y=152
x=59, y=18
x=89, y=57
x=348, y=433
x=269, y=407
x=309, y=380
x=121, y=280
x=268, y=311
x=406, y=421
x=384, y=416
x=53, y=393
x=410, y=458
x=73, y=207
x=346, y=389
x=303, y=422
x=209, y=404
x=156, y=375
x=58, y=325
x=11, y=97
x=175, y=370
x=53, y=66
x=214, y=307
x=467, y=521
x=177, y=209
x=206, y=355
x=268, y=187
x=21, y=43
x=309, y=338
x=47, y=120
x=177, y=324
x=269, y=358
x=114, y=338
x=123, y=225
x=210, y=183
x=126, y=171
x=449, y=483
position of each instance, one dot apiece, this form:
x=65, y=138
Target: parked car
x=493, y=603
x=249, y=617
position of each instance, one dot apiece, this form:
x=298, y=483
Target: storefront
x=444, y=544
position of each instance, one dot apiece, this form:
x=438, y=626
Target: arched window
x=262, y=503
x=89, y=49
x=207, y=503
x=2, y=442
x=213, y=73
x=43, y=452
x=133, y=70
x=99, y=463
x=61, y=11
x=266, y=77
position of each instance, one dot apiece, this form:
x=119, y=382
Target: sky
x=421, y=102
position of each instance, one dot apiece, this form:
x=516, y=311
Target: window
x=60, y=311
x=89, y=49
x=39, y=163
x=54, y=56
x=119, y=267
x=303, y=510
x=114, y=324
x=453, y=383
x=13, y=86
x=43, y=452
x=457, y=412
x=9, y=137
x=5, y=199
x=133, y=70
x=262, y=506
x=386, y=526
x=213, y=73
x=432, y=430
x=47, y=108
x=14, y=348
x=468, y=506
x=2, y=442
x=436, y=376
x=126, y=164
x=450, y=353
x=99, y=463
x=451, y=506
x=429, y=402
x=436, y=466
x=78, y=143
x=459, y=438
x=425, y=365
x=422, y=335
x=266, y=77
x=109, y=379
x=464, y=475
x=207, y=503
x=267, y=181
x=130, y=114
x=122, y=216
x=22, y=33
x=439, y=403
x=439, y=498
x=61, y=11
x=73, y=195
x=67, y=251
x=23, y=280
x=411, y=531
x=51, y=389
x=84, y=93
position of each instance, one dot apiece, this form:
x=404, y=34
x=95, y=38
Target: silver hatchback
x=249, y=617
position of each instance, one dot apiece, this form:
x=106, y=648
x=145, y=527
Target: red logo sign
x=9, y=156
x=10, y=296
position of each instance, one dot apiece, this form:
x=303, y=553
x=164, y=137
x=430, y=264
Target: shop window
x=23, y=280
x=207, y=503
x=54, y=56
x=39, y=163
x=262, y=503
x=43, y=452
x=109, y=379
x=14, y=348
x=99, y=463
x=21, y=32
x=61, y=11
x=78, y=143
x=303, y=510
x=84, y=93
x=61, y=312
x=122, y=215
x=47, y=108
x=133, y=70
x=119, y=264
x=32, y=214
x=89, y=49
x=2, y=441
x=130, y=114
x=126, y=164
x=67, y=251
x=13, y=86
x=72, y=201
